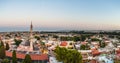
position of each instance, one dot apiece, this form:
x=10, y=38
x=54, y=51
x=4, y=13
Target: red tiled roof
x=63, y=44
x=33, y=56
x=95, y=52
x=39, y=57
x=117, y=54
x=20, y=56
x=84, y=43
x=118, y=51
x=9, y=54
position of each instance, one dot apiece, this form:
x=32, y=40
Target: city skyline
x=60, y=14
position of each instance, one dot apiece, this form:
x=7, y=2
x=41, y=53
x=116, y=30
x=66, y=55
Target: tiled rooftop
x=33, y=56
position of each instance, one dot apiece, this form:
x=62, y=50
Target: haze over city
x=59, y=31
x=59, y=14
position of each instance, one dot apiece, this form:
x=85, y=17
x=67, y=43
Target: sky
x=17, y=15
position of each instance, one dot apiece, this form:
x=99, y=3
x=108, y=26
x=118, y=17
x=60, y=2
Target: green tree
x=2, y=52
x=68, y=56
x=69, y=38
x=37, y=37
x=5, y=61
x=14, y=59
x=63, y=38
x=58, y=53
x=76, y=57
x=7, y=46
x=82, y=47
x=83, y=37
x=95, y=39
x=17, y=42
x=1, y=44
x=27, y=59
x=87, y=47
x=76, y=38
x=55, y=36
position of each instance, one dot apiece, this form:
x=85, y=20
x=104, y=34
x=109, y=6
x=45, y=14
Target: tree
x=68, y=56
x=2, y=52
x=37, y=37
x=14, y=59
x=76, y=38
x=55, y=36
x=60, y=53
x=62, y=38
x=76, y=57
x=27, y=59
x=83, y=37
x=5, y=61
x=7, y=46
x=95, y=39
x=17, y=42
x=8, y=35
x=82, y=47
x=1, y=44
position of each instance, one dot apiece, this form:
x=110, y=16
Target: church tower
x=31, y=37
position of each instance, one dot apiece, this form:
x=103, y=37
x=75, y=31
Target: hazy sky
x=60, y=14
